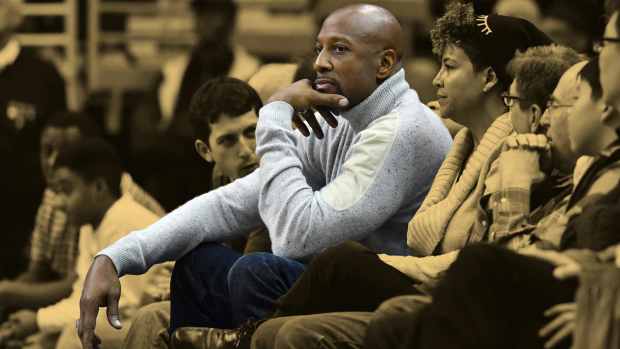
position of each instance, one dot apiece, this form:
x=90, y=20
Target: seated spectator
x=85, y=179
x=54, y=241
x=214, y=105
x=161, y=131
x=299, y=190
x=32, y=91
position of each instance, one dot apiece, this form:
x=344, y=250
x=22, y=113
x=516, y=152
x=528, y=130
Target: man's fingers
x=334, y=101
x=301, y=126
x=560, y=308
x=313, y=122
x=87, y=321
x=560, y=335
x=541, y=141
x=87, y=338
x=567, y=271
x=328, y=116
x=112, y=309
x=511, y=142
x=559, y=321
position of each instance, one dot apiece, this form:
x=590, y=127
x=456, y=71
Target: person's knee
x=265, y=335
x=250, y=267
x=153, y=313
x=297, y=333
x=401, y=304
x=339, y=256
x=203, y=259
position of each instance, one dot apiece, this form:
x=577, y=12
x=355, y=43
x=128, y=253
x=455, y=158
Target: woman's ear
x=610, y=117
x=490, y=79
x=536, y=114
x=387, y=64
x=203, y=150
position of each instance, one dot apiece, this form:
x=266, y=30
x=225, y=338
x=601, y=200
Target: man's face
x=585, y=126
x=345, y=63
x=459, y=86
x=52, y=140
x=232, y=144
x=75, y=196
x=521, y=118
x=555, y=119
x=609, y=67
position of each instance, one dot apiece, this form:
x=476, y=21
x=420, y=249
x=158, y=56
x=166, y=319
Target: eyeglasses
x=553, y=104
x=509, y=100
x=597, y=47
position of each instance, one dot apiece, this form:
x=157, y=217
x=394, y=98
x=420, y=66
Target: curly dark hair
x=458, y=27
x=538, y=70
x=218, y=96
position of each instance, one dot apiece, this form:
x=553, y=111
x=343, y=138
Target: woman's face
x=459, y=86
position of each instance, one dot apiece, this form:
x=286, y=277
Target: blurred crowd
x=447, y=184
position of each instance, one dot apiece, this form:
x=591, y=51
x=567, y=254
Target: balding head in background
x=10, y=19
x=555, y=118
x=357, y=48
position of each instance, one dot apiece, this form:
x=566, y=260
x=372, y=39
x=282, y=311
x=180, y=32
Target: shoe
x=213, y=338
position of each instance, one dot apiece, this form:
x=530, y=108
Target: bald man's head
x=373, y=24
x=357, y=48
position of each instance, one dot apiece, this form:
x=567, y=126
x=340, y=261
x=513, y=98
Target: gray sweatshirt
x=363, y=181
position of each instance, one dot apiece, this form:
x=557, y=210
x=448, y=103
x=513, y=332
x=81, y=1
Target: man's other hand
x=562, y=325
x=102, y=288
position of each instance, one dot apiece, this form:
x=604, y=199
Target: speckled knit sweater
x=363, y=181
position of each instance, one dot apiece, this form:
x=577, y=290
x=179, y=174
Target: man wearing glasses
x=609, y=56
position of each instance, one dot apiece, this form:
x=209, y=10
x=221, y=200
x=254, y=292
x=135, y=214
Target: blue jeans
x=214, y=286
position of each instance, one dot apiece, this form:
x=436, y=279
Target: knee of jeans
x=249, y=267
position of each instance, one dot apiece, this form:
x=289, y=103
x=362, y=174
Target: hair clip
x=484, y=23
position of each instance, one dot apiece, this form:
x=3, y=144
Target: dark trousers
x=214, y=286
x=348, y=277
x=489, y=298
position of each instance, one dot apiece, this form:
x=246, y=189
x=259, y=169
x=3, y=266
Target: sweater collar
x=379, y=103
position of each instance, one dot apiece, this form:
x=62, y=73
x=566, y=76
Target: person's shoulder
x=35, y=64
x=126, y=214
x=419, y=123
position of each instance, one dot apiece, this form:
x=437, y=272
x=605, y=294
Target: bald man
x=361, y=175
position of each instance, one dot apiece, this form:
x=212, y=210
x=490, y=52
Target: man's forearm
x=20, y=294
x=222, y=214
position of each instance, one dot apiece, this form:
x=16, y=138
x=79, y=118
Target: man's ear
x=389, y=59
x=610, y=117
x=100, y=186
x=203, y=150
x=490, y=79
x=535, y=114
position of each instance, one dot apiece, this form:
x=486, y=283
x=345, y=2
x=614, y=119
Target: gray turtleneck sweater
x=363, y=181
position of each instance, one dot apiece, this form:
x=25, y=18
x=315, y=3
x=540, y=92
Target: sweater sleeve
x=225, y=213
x=377, y=179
